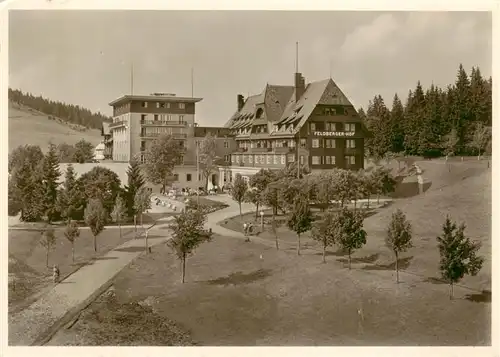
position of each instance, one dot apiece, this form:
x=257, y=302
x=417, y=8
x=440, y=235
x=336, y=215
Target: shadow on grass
x=403, y=264
x=434, y=280
x=131, y=249
x=368, y=259
x=104, y=258
x=337, y=253
x=239, y=278
x=484, y=297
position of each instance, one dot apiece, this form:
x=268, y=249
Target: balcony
x=284, y=150
x=242, y=150
x=164, y=123
x=261, y=149
x=155, y=135
x=117, y=124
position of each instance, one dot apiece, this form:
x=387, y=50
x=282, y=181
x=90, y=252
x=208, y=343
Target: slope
x=28, y=126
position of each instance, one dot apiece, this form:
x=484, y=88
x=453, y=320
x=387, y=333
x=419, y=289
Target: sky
x=84, y=57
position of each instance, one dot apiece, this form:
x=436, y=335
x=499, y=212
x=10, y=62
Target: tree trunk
x=349, y=252
x=451, y=290
x=120, y=227
x=146, y=240
x=355, y=204
x=378, y=198
x=135, y=222
x=95, y=243
x=256, y=211
x=397, y=268
x=241, y=215
x=73, y=251
x=298, y=245
x=368, y=205
x=324, y=253
x=275, y=229
x=141, y=221
x=47, y=257
x=183, y=267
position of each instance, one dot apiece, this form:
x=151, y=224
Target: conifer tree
x=50, y=175
x=135, y=181
x=397, y=122
x=71, y=200
x=458, y=254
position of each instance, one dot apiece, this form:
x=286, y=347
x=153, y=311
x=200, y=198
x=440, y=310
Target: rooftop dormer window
x=259, y=113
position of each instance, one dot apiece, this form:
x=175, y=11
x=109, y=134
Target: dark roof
x=201, y=131
x=153, y=98
x=281, y=107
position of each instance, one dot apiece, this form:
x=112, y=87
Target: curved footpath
x=36, y=324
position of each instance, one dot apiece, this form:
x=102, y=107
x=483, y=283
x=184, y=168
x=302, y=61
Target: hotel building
x=315, y=124
x=139, y=120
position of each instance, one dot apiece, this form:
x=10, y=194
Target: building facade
x=139, y=120
x=107, y=140
x=314, y=124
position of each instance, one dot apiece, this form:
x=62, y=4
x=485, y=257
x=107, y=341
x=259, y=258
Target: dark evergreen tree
x=397, y=125
x=84, y=152
x=135, y=180
x=50, y=175
x=71, y=199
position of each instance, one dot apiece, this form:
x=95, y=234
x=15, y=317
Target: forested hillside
x=71, y=113
x=434, y=121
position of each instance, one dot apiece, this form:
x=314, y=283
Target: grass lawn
x=28, y=273
x=239, y=293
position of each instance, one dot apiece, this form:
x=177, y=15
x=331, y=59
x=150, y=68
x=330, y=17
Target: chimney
x=300, y=86
x=241, y=101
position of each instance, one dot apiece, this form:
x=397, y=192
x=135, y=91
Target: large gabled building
x=314, y=124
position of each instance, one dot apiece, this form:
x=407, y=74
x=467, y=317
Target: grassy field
x=28, y=274
x=239, y=293
x=34, y=128
x=466, y=199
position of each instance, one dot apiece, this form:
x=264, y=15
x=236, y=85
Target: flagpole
x=198, y=175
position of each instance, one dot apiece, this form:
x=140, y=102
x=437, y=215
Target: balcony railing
x=155, y=135
x=164, y=123
x=117, y=124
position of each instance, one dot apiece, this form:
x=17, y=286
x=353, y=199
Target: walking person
x=245, y=229
x=55, y=274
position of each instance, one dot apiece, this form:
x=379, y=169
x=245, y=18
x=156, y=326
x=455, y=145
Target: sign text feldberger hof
x=334, y=133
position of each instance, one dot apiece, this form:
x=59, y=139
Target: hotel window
x=169, y=117
x=143, y=117
x=162, y=105
x=182, y=105
x=350, y=160
x=312, y=126
x=181, y=160
x=250, y=159
x=283, y=159
x=330, y=143
x=330, y=127
x=315, y=143
x=144, y=104
x=226, y=144
x=351, y=144
x=291, y=158
x=316, y=160
x=302, y=159
x=181, y=118
x=188, y=177
x=243, y=158
x=155, y=117
x=303, y=143
x=351, y=127
x=227, y=158
x=237, y=158
x=276, y=160
x=330, y=160
x=262, y=159
x=168, y=105
x=157, y=105
x=269, y=159
x=346, y=112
